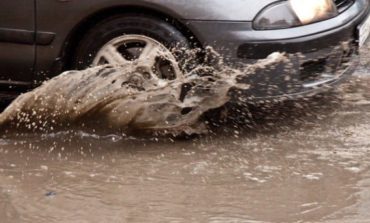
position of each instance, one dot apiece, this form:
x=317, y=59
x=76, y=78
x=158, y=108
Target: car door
x=17, y=37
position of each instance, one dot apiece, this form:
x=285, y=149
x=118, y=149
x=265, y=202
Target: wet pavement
x=308, y=163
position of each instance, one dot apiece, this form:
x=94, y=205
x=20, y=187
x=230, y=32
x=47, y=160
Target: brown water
x=300, y=161
x=130, y=97
x=289, y=167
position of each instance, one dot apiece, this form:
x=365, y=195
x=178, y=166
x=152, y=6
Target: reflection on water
x=312, y=167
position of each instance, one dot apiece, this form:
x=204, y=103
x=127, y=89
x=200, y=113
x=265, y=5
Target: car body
x=38, y=37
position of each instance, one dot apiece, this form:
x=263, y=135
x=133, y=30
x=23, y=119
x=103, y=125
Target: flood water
x=289, y=167
x=303, y=161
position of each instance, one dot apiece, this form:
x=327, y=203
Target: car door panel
x=17, y=35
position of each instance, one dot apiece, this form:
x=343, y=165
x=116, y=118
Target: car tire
x=126, y=24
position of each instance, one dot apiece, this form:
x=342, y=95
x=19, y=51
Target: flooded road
x=308, y=164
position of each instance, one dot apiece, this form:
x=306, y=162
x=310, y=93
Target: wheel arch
x=77, y=33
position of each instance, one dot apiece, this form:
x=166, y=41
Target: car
x=39, y=39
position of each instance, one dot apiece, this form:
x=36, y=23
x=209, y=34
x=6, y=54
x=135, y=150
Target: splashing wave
x=126, y=97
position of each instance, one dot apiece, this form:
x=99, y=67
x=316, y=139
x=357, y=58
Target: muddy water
x=290, y=167
x=132, y=97
x=302, y=161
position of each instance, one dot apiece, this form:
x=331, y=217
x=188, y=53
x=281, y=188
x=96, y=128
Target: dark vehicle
x=41, y=38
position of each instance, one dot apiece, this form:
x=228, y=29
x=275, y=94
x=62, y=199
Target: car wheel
x=133, y=39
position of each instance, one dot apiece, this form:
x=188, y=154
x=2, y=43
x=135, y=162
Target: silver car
x=41, y=38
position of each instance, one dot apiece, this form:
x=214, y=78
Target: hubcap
x=143, y=52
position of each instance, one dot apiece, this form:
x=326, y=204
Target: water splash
x=127, y=97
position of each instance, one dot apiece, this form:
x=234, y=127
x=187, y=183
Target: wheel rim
x=143, y=52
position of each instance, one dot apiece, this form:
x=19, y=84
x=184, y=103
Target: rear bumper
x=322, y=54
